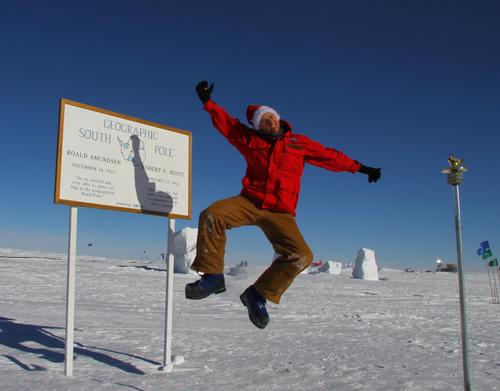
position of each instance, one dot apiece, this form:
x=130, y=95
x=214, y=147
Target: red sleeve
x=231, y=128
x=329, y=158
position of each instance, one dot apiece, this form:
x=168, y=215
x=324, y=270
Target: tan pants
x=280, y=228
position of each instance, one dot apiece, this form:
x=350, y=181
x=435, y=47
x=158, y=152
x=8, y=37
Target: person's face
x=269, y=123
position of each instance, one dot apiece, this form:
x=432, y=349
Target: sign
x=114, y=161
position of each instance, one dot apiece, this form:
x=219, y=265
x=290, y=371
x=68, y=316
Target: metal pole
x=498, y=273
x=491, y=286
x=461, y=285
x=70, y=292
x=455, y=178
x=167, y=351
x=496, y=288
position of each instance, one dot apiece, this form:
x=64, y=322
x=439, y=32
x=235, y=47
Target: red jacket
x=274, y=167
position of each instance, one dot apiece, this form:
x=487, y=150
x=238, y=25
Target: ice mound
x=330, y=267
x=184, y=249
x=365, y=266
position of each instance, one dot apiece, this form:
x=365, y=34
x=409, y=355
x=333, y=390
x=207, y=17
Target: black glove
x=204, y=91
x=373, y=173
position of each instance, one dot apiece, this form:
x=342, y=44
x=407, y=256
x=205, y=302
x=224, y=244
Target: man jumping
x=275, y=158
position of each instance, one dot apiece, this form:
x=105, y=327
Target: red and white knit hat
x=255, y=113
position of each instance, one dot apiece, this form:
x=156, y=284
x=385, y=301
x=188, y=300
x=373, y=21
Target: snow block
x=184, y=249
x=365, y=266
x=331, y=267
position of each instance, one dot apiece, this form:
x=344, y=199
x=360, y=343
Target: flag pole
x=491, y=286
x=496, y=288
x=485, y=252
x=498, y=274
x=455, y=174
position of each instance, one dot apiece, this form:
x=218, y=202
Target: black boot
x=208, y=284
x=256, y=305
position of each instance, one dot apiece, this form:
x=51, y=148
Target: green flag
x=493, y=262
x=487, y=253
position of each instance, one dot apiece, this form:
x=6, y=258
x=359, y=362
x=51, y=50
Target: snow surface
x=329, y=333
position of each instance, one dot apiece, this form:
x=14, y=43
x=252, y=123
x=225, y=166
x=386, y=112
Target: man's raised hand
x=373, y=173
x=204, y=91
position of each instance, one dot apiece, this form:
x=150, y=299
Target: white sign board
x=113, y=161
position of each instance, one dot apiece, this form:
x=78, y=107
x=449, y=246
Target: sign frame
x=57, y=190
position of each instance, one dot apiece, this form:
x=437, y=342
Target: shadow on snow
x=20, y=336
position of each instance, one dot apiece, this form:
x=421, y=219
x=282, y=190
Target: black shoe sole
x=255, y=322
x=192, y=296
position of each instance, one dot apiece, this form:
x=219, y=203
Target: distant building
x=445, y=267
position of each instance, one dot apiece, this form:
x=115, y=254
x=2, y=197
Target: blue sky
x=397, y=85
